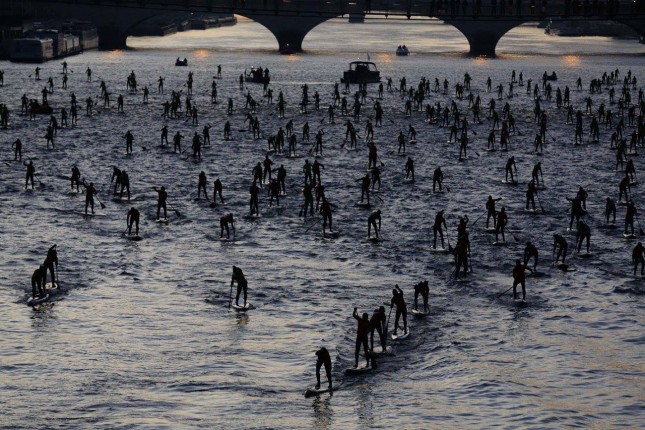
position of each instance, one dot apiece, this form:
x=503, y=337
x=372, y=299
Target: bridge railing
x=457, y=9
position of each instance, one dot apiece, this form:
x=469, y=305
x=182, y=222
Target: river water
x=142, y=336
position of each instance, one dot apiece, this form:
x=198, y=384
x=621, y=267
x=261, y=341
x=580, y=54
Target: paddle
x=312, y=224
x=387, y=324
x=506, y=291
x=642, y=233
x=539, y=202
x=478, y=218
x=100, y=202
x=176, y=212
x=230, y=296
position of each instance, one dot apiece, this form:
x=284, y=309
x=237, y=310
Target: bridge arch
x=483, y=39
x=288, y=32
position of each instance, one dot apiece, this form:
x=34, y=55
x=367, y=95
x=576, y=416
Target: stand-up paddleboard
x=74, y=193
x=134, y=238
x=438, y=192
x=586, y=255
x=629, y=235
x=401, y=336
x=242, y=308
x=162, y=221
x=252, y=216
x=520, y=303
x=51, y=287
x=363, y=205
x=402, y=154
x=124, y=199
x=34, y=301
x=378, y=351
x=419, y=313
x=362, y=368
x=463, y=158
x=439, y=250
x=504, y=181
x=501, y=243
x=490, y=150
x=490, y=229
x=373, y=239
x=332, y=234
x=566, y=268
x=310, y=392
x=412, y=142
x=89, y=214
x=531, y=211
x=408, y=181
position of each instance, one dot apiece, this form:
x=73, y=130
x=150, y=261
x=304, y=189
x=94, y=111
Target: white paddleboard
x=162, y=221
x=419, y=313
x=401, y=336
x=34, y=301
x=240, y=308
x=358, y=370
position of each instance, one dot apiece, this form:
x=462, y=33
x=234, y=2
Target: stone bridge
x=482, y=22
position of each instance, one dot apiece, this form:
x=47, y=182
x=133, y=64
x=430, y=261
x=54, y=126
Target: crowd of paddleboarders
x=616, y=111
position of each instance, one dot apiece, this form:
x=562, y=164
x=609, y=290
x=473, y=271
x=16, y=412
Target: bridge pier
x=111, y=37
x=288, y=31
x=483, y=35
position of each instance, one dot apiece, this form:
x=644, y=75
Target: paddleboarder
x=519, y=277
x=31, y=169
x=201, y=185
x=50, y=260
x=362, y=330
x=401, y=309
x=162, y=196
x=38, y=282
x=323, y=358
x=371, y=222
x=378, y=323
x=131, y=219
x=224, y=223
x=238, y=277
x=421, y=289
x=76, y=178
x=90, y=192
x=584, y=232
x=437, y=228
x=531, y=251
x=559, y=243
x=217, y=189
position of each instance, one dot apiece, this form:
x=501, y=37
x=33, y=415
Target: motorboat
x=402, y=51
x=361, y=72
